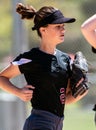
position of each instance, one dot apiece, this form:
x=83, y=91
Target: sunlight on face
x=55, y=32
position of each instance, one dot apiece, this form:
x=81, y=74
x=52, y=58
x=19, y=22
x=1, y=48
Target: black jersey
x=49, y=75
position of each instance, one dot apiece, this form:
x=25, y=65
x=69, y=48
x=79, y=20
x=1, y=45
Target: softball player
x=46, y=70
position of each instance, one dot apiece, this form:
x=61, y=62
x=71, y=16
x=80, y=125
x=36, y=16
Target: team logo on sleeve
x=21, y=61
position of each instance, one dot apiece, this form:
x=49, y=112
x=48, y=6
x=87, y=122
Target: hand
x=26, y=93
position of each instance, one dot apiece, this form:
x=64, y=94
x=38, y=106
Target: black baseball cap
x=54, y=18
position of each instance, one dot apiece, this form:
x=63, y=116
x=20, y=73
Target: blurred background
x=16, y=37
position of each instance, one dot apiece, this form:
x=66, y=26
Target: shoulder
x=63, y=54
x=28, y=54
x=25, y=57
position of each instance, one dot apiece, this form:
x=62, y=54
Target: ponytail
x=26, y=12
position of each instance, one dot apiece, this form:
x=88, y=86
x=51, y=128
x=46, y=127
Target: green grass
x=79, y=119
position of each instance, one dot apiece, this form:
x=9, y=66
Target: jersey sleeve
x=21, y=60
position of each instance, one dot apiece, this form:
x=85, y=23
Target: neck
x=47, y=47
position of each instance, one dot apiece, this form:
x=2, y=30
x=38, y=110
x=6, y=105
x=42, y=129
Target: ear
x=42, y=30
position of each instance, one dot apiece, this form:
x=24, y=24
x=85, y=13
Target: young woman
x=88, y=29
x=46, y=70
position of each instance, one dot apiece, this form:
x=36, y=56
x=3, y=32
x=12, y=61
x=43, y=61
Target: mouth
x=62, y=35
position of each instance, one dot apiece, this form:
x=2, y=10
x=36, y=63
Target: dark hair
x=28, y=12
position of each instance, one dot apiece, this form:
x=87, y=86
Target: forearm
x=24, y=93
x=7, y=86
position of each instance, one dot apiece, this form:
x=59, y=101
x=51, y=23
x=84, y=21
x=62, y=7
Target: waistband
x=47, y=114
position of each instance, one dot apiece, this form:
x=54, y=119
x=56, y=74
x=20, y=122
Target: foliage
x=5, y=27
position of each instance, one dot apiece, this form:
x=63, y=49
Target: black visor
x=54, y=18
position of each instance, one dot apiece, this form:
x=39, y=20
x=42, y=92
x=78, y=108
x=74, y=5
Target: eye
x=58, y=26
x=61, y=26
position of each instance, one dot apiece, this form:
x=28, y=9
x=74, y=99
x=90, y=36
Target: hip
x=42, y=120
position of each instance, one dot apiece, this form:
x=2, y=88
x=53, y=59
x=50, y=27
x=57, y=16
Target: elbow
x=2, y=80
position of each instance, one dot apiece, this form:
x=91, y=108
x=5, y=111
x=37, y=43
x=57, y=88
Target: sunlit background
x=16, y=37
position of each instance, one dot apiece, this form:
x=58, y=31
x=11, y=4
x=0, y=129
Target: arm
x=88, y=29
x=10, y=72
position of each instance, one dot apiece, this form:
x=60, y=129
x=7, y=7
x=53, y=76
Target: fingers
x=30, y=87
x=80, y=81
x=26, y=94
x=27, y=98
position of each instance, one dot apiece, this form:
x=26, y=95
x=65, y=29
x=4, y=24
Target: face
x=55, y=33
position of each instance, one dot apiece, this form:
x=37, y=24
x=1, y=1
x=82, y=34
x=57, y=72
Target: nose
x=63, y=29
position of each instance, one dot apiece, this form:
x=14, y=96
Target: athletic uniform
x=49, y=75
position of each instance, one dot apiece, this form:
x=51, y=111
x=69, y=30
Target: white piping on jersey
x=21, y=61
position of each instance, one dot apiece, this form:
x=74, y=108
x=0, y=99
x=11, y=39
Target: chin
x=62, y=40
